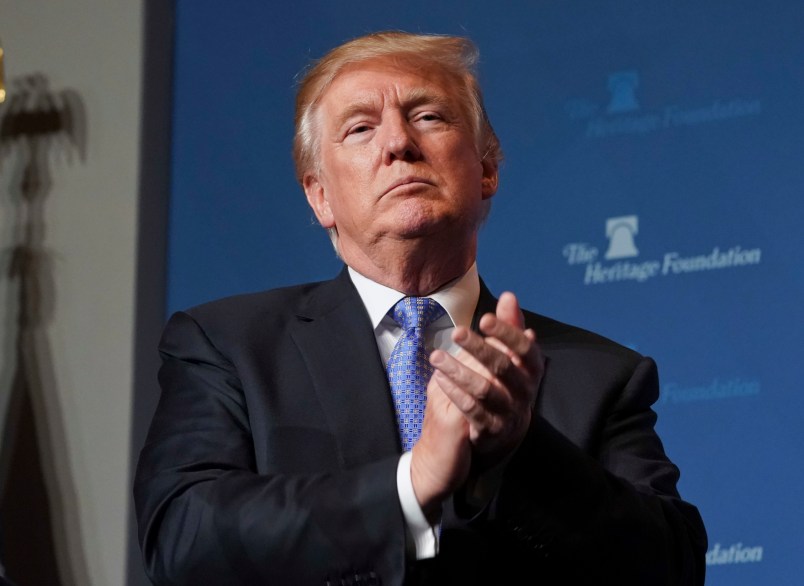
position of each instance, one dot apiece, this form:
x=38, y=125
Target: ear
x=317, y=198
x=490, y=179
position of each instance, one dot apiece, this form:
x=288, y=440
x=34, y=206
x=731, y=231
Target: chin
x=427, y=228
x=417, y=218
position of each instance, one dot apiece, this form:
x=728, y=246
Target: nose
x=399, y=141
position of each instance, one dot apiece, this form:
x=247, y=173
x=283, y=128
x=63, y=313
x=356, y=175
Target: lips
x=411, y=180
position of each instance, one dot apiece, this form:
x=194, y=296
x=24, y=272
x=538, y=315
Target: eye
x=359, y=128
x=428, y=117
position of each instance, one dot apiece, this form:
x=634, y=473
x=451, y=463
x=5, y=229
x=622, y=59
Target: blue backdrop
x=651, y=191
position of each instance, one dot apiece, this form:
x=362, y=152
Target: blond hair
x=455, y=56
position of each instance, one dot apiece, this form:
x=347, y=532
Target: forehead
x=384, y=78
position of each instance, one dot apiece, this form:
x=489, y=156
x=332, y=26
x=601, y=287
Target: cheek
x=466, y=172
x=350, y=169
x=461, y=154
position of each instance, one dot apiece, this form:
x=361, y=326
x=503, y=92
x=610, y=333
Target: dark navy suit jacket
x=272, y=456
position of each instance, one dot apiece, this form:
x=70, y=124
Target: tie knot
x=416, y=312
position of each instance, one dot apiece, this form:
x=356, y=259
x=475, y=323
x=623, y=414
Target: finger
x=474, y=412
x=521, y=346
x=492, y=360
x=496, y=360
x=468, y=389
x=513, y=337
x=508, y=310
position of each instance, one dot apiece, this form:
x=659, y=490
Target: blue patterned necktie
x=409, y=368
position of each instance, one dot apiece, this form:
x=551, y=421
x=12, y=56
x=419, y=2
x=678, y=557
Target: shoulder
x=586, y=353
x=562, y=339
x=245, y=318
x=587, y=373
x=260, y=304
x=555, y=332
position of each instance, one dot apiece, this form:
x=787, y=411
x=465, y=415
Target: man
x=279, y=454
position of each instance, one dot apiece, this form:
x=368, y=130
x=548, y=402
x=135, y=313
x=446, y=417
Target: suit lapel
x=334, y=334
x=486, y=303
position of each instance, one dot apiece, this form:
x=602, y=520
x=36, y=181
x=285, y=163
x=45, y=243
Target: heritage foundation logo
x=716, y=389
x=621, y=260
x=624, y=115
x=733, y=554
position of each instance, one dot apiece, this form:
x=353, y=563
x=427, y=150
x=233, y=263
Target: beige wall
x=83, y=350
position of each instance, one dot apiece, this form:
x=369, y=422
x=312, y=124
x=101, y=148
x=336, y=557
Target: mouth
x=408, y=183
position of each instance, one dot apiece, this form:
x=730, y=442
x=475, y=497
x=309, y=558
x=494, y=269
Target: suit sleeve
x=207, y=517
x=607, y=515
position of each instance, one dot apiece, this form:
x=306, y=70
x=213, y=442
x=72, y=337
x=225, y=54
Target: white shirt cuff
x=425, y=536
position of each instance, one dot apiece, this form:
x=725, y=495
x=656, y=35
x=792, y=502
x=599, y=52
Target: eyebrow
x=361, y=106
x=420, y=96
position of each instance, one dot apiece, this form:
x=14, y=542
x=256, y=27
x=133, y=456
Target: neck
x=414, y=270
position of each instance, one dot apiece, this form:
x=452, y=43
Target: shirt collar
x=458, y=297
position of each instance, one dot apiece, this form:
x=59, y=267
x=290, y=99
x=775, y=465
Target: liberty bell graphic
x=622, y=86
x=621, y=231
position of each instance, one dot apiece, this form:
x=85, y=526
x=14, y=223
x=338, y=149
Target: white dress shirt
x=459, y=300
